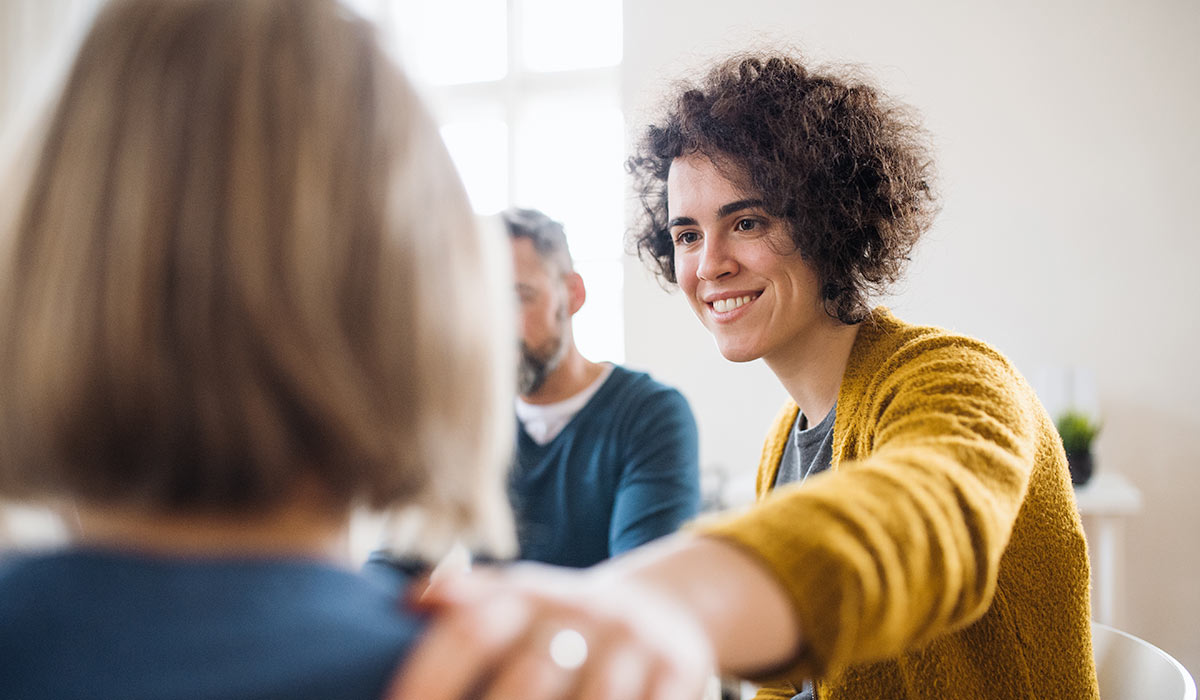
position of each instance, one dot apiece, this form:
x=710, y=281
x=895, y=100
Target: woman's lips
x=729, y=308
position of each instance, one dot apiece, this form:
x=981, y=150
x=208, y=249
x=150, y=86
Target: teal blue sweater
x=623, y=472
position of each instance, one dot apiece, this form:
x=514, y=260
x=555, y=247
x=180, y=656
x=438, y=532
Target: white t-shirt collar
x=544, y=422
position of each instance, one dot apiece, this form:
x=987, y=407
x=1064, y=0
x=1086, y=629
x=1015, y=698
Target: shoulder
x=20, y=579
x=296, y=620
x=30, y=582
x=639, y=390
x=920, y=377
x=889, y=351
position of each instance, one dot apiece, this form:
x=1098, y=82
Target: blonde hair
x=243, y=256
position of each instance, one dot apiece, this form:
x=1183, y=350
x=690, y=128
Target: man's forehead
x=530, y=266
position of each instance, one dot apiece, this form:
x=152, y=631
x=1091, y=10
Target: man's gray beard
x=533, y=368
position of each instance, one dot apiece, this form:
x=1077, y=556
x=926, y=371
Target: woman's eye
x=686, y=238
x=746, y=225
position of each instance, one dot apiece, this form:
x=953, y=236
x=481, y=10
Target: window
x=527, y=93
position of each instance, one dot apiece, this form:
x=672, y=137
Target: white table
x=1104, y=502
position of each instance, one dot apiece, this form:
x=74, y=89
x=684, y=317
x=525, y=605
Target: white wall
x=1068, y=145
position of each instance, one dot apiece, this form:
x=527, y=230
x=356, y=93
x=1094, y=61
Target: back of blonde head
x=243, y=257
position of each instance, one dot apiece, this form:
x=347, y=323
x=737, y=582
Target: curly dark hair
x=848, y=170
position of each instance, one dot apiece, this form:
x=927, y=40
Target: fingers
x=675, y=682
x=471, y=631
x=647, y=657
x=627, y=672
x=530, y=672
x=616, y=673
x=537, y=634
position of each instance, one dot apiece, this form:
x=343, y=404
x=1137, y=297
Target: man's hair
x=848, y=171
x=228, y=270
x=546, y=234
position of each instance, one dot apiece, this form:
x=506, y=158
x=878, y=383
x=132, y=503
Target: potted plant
x=1077, y=431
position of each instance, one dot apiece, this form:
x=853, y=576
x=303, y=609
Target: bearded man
x=606, y=457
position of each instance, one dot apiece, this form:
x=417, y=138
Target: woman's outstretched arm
x=655, y=622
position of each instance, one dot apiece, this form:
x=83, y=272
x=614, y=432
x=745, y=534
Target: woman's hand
x=532, y=632
x=653, y=623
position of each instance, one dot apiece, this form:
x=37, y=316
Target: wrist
x=743, y=612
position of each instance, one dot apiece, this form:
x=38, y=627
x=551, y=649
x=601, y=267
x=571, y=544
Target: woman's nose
x=716, y=261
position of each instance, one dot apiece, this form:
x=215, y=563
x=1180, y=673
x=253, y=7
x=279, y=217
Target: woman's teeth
x=723, y=305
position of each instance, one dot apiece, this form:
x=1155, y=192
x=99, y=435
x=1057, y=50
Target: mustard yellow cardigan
x=942, y=556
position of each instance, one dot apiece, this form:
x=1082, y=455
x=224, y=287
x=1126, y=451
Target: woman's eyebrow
x=727, y=209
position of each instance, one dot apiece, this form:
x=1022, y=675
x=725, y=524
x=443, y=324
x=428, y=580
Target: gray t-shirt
x=808, y=451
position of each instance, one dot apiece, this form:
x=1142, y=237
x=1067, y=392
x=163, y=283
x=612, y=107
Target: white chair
x=1130, y=668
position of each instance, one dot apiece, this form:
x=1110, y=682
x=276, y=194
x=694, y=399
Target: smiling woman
x=849, y=172
x=738, y=267
x=916, y=535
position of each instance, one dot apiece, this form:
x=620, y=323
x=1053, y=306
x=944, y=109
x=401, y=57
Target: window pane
x=599, y=325
x=480, y=152
x=569, y=163
x=446, y=43
x=558, y=35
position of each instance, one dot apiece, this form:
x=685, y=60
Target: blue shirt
x=624, y=471
x=90, y=624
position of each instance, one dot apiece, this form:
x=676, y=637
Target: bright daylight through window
x=527, y=93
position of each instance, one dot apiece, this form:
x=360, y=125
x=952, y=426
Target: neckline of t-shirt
x=571, y=405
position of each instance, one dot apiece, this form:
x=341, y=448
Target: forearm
x=743, y=609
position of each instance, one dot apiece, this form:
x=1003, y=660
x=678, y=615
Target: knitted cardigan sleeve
x=901, y=542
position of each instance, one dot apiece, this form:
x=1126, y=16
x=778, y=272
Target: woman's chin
x=737, y=353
